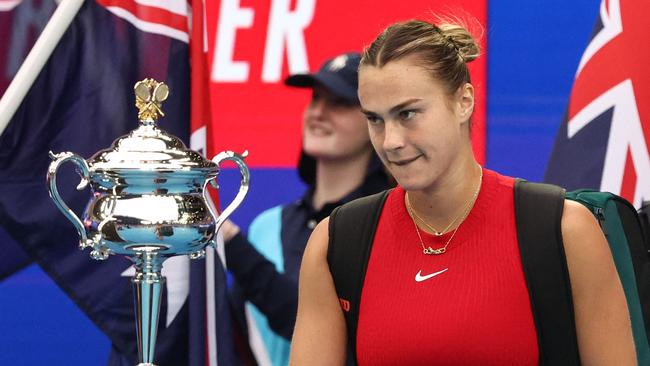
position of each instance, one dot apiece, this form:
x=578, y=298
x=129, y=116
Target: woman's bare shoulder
x=582, y=234
x=318, y=241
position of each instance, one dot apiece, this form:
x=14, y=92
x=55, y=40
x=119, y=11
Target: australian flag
x=80, y=102
x=603, y=142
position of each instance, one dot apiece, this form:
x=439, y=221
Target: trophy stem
x=147, y=289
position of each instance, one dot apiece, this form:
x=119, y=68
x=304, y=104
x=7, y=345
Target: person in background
x=338, y=165
x=444, y=283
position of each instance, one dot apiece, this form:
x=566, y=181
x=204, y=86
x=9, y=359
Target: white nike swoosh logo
x=420, y=278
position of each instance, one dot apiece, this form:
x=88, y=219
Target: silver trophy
x=149, y=202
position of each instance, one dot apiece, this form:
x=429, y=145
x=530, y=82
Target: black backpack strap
x=636, y=241
x=351, y=233
x=538, y=211
x=644, y=217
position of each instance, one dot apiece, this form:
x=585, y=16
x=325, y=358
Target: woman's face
x=333, y=128
x=418, y=130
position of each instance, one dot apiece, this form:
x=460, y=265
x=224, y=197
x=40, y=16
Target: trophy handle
x=84, y=171
x=243, y=188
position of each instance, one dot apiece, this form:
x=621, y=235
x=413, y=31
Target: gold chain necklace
x=435, y=232
x=464, y=214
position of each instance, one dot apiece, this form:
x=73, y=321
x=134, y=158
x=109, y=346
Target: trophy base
x=145, y=364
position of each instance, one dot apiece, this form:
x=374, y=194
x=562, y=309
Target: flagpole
x=33, y=64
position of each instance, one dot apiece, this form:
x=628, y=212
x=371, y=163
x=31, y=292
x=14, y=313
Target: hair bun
x=462, y=40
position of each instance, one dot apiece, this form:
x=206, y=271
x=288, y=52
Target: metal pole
x=38, y=56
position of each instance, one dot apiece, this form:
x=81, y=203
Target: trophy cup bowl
x=149, y=201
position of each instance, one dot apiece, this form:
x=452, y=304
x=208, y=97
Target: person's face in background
x=334, y=128
x=419, y=131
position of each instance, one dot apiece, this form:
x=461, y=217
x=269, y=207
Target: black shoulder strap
x=538, y=211
x=644, y=217
x=637, y=239
x=351, y=232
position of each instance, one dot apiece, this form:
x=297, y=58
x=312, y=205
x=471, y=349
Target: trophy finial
x=149, y=95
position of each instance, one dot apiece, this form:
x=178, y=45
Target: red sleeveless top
x=468, y=306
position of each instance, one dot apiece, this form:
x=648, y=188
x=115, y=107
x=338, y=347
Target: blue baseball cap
x=339, y=75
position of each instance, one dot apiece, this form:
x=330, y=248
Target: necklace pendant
x=430, y=251
x=438, y=233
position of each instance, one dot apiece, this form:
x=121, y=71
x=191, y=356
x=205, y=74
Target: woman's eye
x=374, y=120
x=406, y=115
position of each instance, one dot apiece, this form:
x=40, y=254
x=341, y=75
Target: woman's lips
x=319, y=130
x=403, y=162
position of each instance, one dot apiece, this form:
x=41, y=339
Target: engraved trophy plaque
x=149, y=202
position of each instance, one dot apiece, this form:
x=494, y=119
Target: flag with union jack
x=603, y=142
x=81, y=101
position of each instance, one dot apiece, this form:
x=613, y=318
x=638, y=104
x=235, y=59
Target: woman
x=450, y=223
x=338, y=165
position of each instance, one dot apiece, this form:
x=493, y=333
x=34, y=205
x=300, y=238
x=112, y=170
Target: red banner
x=252, y=46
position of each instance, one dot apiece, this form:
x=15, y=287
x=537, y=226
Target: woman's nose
x=393, y=136
x=316, y=108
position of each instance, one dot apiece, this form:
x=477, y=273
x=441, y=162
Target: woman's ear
x=465, y=99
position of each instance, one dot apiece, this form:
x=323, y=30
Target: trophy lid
x=149, y=148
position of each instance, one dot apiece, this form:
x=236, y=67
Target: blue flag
x=18, y=30
x=81, y=102
x=603, y=142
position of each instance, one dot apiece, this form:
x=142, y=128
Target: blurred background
x=532, y=51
